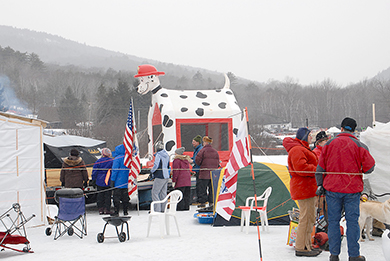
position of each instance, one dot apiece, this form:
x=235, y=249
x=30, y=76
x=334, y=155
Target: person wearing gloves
x=74, y=173
x=101, y=174
x=181, y=176
x=119, y=181
x=339, y=175
x=302, y=163
x=160, y=171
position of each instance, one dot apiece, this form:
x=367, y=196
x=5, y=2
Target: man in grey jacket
x=160, y=172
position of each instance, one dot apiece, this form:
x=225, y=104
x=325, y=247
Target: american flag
x=239, y=158
x=132, y=151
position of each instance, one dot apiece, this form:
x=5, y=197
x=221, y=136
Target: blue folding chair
x=71, y=218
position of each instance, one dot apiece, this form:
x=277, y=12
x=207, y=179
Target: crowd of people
x=334, y=169
x=110, y=175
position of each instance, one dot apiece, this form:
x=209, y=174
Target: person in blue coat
x=101, y=173
x=160, y=172
x=119, y=180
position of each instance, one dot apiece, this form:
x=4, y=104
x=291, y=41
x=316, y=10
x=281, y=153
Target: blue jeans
x=350, y=203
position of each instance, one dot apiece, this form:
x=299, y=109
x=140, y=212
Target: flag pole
x=253, y=179
x=135, y=180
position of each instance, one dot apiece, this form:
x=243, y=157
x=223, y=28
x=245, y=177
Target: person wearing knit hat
x=198, y=139
x=180, y=151
x=197, y=144
x=160, y=172
x=106, y=152
x=73, y=173
x=101, y=175
x=339, y=176
x=74, y=152
x=181, y=177
x=321, y=139
x=208, y=160
x=302, y=163
x=303, y=134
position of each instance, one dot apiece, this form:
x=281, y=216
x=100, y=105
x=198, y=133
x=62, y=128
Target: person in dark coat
x=208, y=160
x=101, y=174
x=197, y=144
x=74, y=174
x=181, y=176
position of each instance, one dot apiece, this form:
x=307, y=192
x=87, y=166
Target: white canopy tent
x=377, y=139
x=333, y=130
x=22, y=166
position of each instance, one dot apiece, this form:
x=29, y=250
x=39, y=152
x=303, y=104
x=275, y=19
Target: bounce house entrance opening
x=220, y=130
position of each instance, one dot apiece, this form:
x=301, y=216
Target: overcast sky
x=307, y=40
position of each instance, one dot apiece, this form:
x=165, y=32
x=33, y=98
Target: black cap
x=74, y=152
x=321, y=136
x=349, y=124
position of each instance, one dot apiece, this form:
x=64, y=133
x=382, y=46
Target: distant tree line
x=95, y=103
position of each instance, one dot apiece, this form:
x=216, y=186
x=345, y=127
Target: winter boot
x=107, y=211
x=116, y=213
x=357, y=258
x=334, y=258
x=307, y=253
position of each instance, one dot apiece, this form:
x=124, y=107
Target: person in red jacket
x=208, y=160
x=339, y=176
x=181, y=176
x=302, y=163
x=321, y=139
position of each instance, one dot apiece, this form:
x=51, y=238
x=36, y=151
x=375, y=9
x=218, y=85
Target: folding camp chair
x=71, y=218
x=14, y=230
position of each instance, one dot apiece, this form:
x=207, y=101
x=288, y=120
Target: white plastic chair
x=172, y=199
x=261, y=208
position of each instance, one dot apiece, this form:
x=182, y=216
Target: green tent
x=266, y=175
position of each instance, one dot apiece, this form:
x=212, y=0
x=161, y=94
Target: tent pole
x=253, y=179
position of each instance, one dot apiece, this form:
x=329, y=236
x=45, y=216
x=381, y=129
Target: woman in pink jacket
x=181, y=176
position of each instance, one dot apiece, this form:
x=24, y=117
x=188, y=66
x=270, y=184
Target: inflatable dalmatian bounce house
x=176, y=117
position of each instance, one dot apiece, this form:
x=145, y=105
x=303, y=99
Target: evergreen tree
x=70, y=110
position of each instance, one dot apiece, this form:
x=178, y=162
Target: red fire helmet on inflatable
x=146, y=70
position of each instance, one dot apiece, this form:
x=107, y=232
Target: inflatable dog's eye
x=388, y=235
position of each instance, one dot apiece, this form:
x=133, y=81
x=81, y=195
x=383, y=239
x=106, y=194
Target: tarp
x=377, y=140
x=21, y=167
x=58, y=147
x=266, y=175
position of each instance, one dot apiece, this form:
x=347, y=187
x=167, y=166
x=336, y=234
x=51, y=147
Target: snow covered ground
x=197, y=242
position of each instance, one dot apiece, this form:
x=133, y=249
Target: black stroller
x=15, y=232
x=71, y=218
